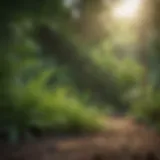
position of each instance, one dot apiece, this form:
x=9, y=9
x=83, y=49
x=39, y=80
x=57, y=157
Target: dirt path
x=124, y=140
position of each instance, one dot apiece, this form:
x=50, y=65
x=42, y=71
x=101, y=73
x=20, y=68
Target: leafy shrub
x=126, y=74
x=147, y=108
x=57, y=109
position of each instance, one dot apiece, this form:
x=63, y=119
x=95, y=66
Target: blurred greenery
x=60, y=72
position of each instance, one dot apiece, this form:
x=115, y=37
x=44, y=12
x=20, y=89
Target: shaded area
x=86, y=75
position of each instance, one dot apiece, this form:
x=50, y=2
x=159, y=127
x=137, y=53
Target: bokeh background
x=65, y=64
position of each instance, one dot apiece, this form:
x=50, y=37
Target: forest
x=77, y=68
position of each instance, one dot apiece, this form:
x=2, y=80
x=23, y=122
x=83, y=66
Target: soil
x=123, y=140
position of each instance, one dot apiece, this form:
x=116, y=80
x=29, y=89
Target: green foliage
x=56, y=109
x=57, y=106
x=126, y=73
x=129, y=73
x=37, y=92
x=146, y=108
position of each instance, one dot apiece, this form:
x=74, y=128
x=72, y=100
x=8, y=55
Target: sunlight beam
x=126, y=9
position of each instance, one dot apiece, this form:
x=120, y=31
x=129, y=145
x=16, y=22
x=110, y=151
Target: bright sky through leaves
x=126, y=9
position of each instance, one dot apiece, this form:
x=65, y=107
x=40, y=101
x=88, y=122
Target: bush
x=147, y=108
x=125, y=74
x=57, y=109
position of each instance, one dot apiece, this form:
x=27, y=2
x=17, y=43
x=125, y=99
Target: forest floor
x=124, y=140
